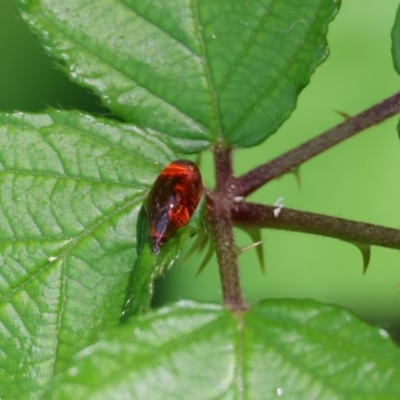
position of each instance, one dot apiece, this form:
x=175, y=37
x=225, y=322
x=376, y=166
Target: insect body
x=172, y=200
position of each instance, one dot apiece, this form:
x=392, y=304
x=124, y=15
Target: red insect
x=172, y=200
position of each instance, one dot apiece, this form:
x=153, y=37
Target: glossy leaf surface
x=194, y=71
x=288, y=348
x=71, y=187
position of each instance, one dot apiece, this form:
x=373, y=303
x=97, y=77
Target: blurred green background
x=359, y=179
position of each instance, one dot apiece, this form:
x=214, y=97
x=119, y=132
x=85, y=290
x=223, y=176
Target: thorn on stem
x=366, y=254
x=255, y=235
x=343, y=114
x=296, y=172
x=240, y=250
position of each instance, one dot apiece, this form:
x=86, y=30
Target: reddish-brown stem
x=259, y=215
x=254, y=179
x=224, y=210
x=223, y=168
x=220, y=221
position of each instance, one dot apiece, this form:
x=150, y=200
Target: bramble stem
x=259, y=215
x=220, y=220
x=259, y=176
x=223, y=169
x=225, y=209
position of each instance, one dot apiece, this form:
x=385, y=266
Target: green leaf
x=396, y=42
x=294, y=349
x=71, y=187
x=194, y=71
x=149, y=266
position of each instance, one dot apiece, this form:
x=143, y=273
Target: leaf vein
x=248, y=45
x=130, y=7
x=109, y=64
x=207, y=70
x=73, y=242
x=75, y=178
x=262, y=97
x=60, y=317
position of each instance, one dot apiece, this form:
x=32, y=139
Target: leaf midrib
x=207, y=70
